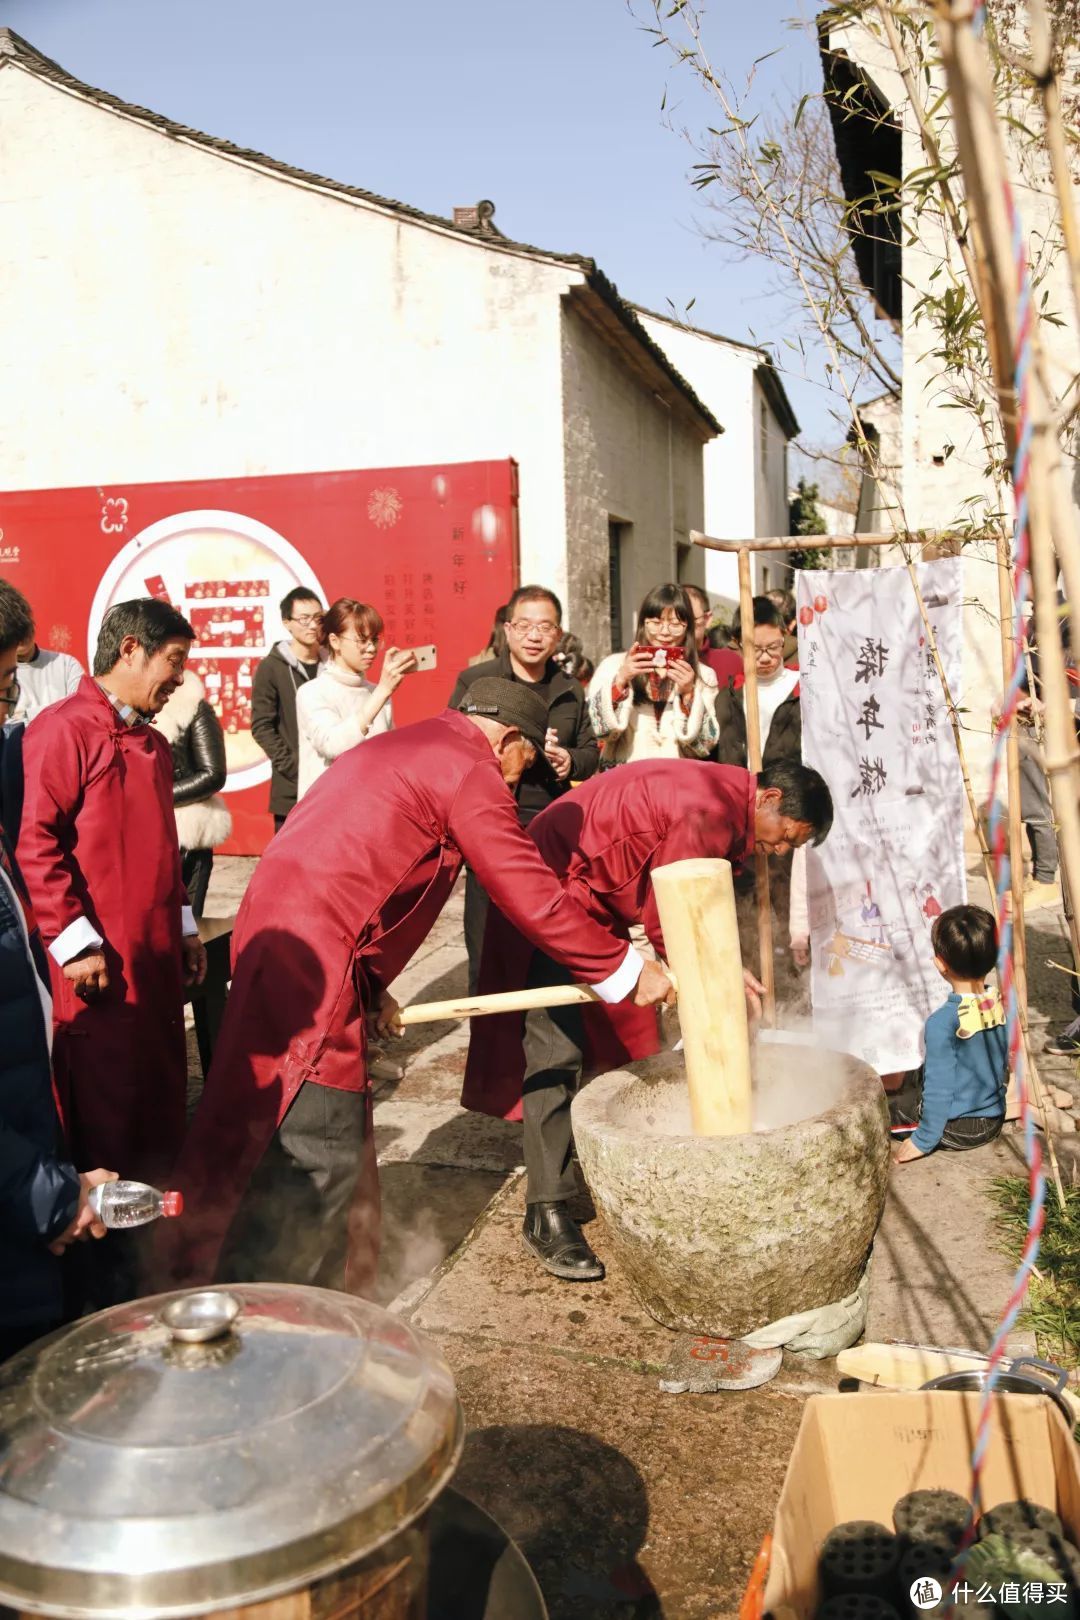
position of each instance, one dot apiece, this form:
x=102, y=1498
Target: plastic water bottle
x=133, y=1203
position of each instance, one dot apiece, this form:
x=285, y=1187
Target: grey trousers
x=554, y=1044
x=292, y=1225
x=1037, y=813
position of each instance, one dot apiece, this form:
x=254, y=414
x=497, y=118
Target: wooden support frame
x=743, y=549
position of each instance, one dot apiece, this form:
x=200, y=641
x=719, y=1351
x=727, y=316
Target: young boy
x=960, y=1090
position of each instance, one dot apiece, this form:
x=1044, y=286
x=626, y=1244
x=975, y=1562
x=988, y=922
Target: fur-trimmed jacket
x=193, y=731
x=629, y=730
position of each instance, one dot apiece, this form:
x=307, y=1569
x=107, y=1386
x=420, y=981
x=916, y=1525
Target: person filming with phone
x=657, y=700
x=341, y=707
x=533, y=627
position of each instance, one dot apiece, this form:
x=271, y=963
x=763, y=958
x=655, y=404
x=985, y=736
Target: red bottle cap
x=172, y=1203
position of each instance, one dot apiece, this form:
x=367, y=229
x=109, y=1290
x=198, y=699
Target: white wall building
x=746, y=473
x=934, y=476
x=178, y=308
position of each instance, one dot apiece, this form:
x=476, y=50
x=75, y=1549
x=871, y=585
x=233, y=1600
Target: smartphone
x=425, y=656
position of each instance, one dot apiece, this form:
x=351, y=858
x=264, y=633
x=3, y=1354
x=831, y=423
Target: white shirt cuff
x=188, y=925
x=79, y=936
x=618, y=985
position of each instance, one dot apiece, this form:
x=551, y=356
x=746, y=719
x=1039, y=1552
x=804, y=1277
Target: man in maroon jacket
x=339, y=903
x=99, y=854
x=603, y=842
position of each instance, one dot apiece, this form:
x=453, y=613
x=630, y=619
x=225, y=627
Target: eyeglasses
x=10, y=694
x=773, y=650
x=668, y=622
x=308, y=620
x=362, y=641
x=522, y=626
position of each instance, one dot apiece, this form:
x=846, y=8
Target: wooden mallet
x=696, y=902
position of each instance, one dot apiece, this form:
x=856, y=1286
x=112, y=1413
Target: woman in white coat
x=658, y=700
x=341, y=707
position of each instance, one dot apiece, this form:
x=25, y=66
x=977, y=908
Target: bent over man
x=603, y=843
x=340, y=902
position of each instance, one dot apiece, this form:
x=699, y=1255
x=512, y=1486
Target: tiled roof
x=767, y=373
x=14, y=50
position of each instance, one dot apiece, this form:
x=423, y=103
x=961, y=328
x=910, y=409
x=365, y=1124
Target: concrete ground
x=631, y=1504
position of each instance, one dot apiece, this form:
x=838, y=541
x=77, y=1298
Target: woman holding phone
x=341, y=707
x=656, y=701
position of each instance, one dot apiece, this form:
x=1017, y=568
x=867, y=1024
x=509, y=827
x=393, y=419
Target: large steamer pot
x=207, y=1452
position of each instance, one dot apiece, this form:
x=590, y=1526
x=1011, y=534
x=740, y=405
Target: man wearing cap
x=278, y=1168
x=603, y=844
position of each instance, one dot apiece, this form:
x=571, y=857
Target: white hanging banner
x=875, y=724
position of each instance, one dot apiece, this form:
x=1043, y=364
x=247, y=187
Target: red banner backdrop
x=433, y=548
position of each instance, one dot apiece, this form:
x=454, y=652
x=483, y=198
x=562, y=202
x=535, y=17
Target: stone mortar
x=722, y=1235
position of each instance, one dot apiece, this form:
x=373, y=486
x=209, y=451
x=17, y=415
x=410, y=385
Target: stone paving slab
x=427, y=1210
x=443, y=1133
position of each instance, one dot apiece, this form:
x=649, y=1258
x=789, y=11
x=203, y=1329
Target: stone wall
x=630, y=460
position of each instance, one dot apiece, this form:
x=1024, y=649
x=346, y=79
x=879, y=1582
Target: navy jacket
x=39, y=1190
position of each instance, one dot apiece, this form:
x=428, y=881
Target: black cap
x=511, y=703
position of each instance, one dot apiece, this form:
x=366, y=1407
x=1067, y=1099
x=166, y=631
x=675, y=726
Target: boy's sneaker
x=1067, y=1044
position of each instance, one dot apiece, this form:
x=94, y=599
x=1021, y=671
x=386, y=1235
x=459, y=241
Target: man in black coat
x=533, y=631
x=288, y=665
x=43, y=1198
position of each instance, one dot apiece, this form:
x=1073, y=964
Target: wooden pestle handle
x=544, y=995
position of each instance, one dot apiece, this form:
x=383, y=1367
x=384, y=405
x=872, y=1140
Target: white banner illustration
x=874, y=723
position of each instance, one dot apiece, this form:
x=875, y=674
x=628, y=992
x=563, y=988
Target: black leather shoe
x=552, y=1234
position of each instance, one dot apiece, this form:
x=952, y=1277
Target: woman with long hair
x=657, y=700
x=341, y=707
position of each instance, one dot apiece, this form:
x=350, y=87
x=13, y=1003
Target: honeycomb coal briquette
x=856, y=1606
x=926, y=1515
x=1018, y=1519
x=859, y=1556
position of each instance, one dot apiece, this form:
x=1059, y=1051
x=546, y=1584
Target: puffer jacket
x=630, y=731
x=785, y=734
x=193, y=731
x=39, y=1190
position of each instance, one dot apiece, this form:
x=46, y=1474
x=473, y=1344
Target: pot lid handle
x=201, y=1315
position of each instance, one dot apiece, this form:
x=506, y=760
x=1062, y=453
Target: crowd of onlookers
x=116, y=866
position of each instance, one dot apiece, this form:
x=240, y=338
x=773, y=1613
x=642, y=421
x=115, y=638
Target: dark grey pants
x=292, y=1225
x=1037, y=813
x=554, y=1043
x=473, y=925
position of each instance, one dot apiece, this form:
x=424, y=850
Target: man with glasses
x=288, y=666
x=779, y=712
x=533, y=633
x=725, y=662
x=99, y=852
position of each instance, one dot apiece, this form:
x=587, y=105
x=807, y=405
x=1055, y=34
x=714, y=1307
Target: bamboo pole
x=1012, y=777
x=753, y=760
x=987, y=185
x=1046, y=79
x=792, y=542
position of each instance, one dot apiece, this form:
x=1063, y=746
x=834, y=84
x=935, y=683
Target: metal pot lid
x=206, y=1449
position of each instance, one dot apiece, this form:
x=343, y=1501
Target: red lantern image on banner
x=806, y=615
x=433, y=548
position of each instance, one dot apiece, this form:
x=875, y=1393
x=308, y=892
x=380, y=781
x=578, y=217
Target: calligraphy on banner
x=873, y=723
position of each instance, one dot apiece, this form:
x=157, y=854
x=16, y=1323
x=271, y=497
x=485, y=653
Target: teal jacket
x=966, y=1069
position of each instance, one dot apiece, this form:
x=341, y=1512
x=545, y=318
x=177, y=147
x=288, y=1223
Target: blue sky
x=552, y=108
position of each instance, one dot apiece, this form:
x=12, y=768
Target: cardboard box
x=855, y=1455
